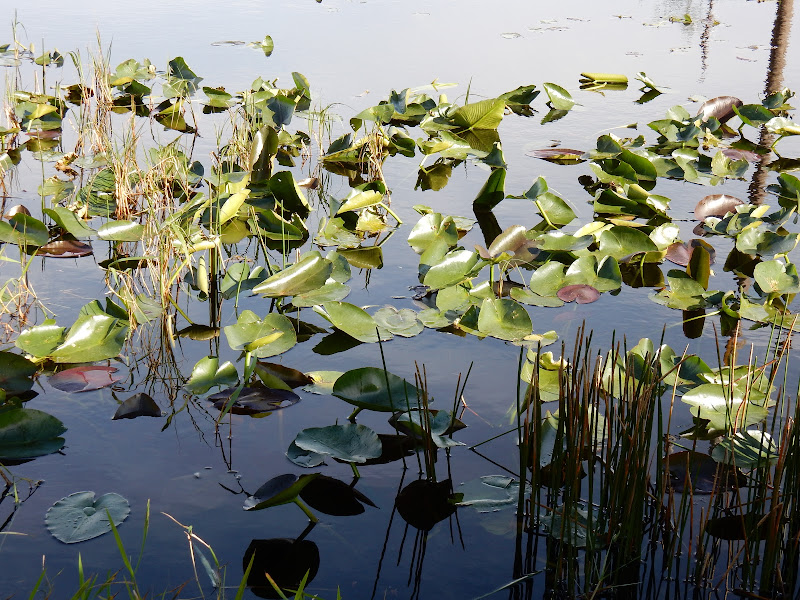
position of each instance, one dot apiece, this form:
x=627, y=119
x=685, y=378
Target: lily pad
x=254, y=400
x=349, y=442
x=504, y=319
x=352, y=320
x=581, y=293
x=334, y=497
x=747, y=449
x=208, y=373
x=308, y=274
x=270, y=336
x=84, y=379
x=376, y=389
x=80, y=516
x=322, y=381
x=716, y=205
x=278, y=490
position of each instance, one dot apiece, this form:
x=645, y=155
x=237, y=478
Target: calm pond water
x=354, y=54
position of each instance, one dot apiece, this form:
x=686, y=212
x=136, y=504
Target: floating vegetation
x=252, y=252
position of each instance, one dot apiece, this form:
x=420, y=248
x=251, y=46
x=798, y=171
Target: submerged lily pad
x=254, y=400
x=80, y=516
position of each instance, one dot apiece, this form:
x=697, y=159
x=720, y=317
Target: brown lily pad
x=680, y=254
x=255, y=400
x=65, y=249
x=715, y=205
x=720, y=107
x=581, y=293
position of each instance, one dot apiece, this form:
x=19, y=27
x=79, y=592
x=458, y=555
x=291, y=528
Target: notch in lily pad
x=375, y=389
x=350, y=443
x=81, y=516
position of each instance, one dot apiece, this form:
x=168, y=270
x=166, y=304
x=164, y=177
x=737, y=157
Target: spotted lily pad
x=80, y=516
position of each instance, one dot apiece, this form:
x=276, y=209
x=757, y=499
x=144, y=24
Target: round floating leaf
x=560, y=99
x=28, y=433
x=322, y=381
x=375, y=389
x=582, y=294
x=774, y=276
x=747, y=449
x=354, y=321
x=255, y=400
x=715, y=205
x=489, y=493
x=80, y=516
x=304, y=458
x=278, y=490
x=84, y=379
x=453, y=268
x=349, y=443
x=138, y=405
x=401, y=322
x=713, y=402
x=504, y=319
x=330, y=292
x=620, y=241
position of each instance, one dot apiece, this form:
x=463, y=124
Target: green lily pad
x=376, y=389
x=402, y=322
x=208, y=373
x=454, y=268
x=93, y=337
x=270, y=336
x=121, y=231
x=724, y=410
x=278, y=490
x=349, y=442
x=352, y=320
x=504, y=319
x=747, y=449
x=332, y=291
x=16, y=373
x=489, y=493
x=80, y=516
x=776, y=277
x=309, y=274
x=560, y=99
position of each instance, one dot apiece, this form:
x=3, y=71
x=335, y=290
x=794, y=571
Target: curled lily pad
x=292, y=378
x=564, y=156
x=716, y=205
x=208, y=373
x=138, y=405
x=353, y=320
x=255, y=400
x=308, y=274
x=278, y=490
x=65, y=249
x=80, y=516
x=581, y=293
x=84, y=379
x=720, y=108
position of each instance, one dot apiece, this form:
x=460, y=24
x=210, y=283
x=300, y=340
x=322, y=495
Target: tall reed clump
x=627, y=509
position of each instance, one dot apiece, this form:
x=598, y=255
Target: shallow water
x=354, y=54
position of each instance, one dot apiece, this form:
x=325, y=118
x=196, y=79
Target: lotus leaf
x=80, y=516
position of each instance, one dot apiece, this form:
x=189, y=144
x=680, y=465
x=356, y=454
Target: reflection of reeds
x=616, y=526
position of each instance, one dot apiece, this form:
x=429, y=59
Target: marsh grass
x=609, y=517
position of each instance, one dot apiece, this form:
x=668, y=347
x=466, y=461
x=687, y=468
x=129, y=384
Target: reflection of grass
x=615, y=523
